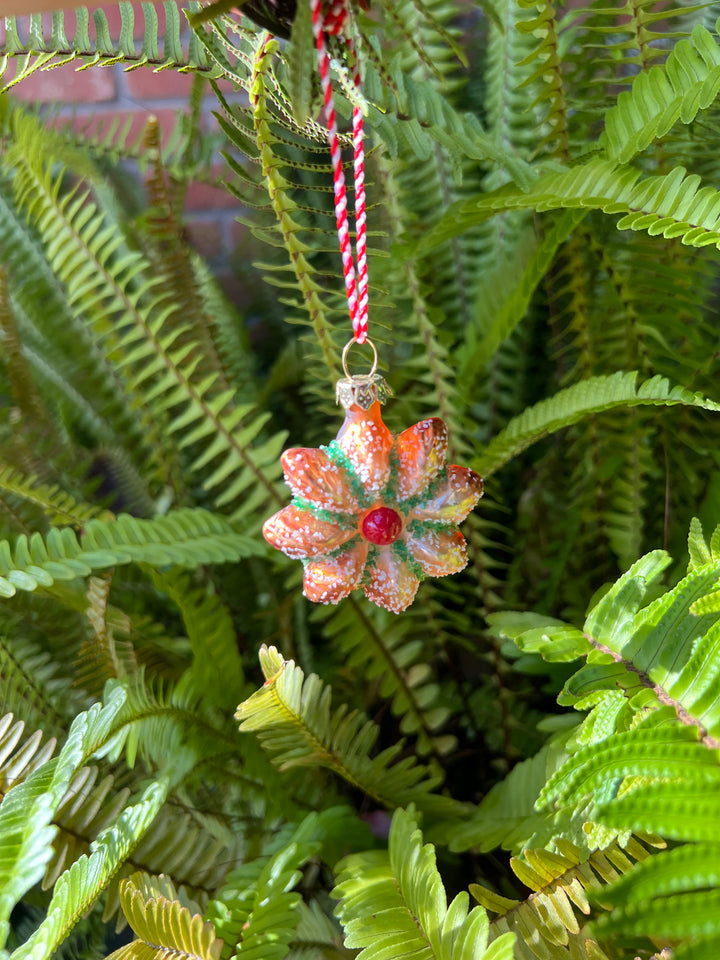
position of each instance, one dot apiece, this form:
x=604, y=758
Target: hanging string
x=333, y=21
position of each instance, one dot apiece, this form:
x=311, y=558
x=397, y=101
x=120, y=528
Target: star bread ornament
x=372, y=511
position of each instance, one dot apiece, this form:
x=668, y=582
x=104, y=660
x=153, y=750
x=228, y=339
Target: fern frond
x=87, y=808
x=316, y=934
x=672, y=205
x=507, y=817
x=423, y=117
x=56, y=343
x=186, y=537
x=27, y=809
x=392, y=652
x=164, y=928
x=257, y=909
x=663, y=753
x=686, y=84
x=168, y=250
x=217, y=671
x=572, y=404
x=81, y=885
x=547, y=68
x=144, y=341
x=59, y=507
x=394, y=904
x=679, y=811
x=278, y=191
x=16, y=765
x=91, y=814
x=186, y=848
x=664, y=897
x=34, y=686
x=229, y=333
x=61, y=45
x=646, y=755
x=546, y=924
x=501, y=304
x=292, y=717
x=22, y=385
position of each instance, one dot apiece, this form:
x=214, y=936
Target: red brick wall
x=91, y=98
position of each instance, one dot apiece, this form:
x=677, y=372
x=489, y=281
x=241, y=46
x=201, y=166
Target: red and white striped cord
x=332, y=20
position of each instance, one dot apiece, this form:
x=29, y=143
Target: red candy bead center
x=382, y=526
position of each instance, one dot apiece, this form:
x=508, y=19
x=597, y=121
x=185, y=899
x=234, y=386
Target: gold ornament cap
x=361, y=390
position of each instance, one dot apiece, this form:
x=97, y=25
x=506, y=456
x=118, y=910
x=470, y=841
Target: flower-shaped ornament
x=375, y=512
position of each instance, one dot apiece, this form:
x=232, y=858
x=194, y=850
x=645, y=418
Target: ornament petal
x=367, y=442
x=312, y=475
x=331, y=579
x=453, y=498
x=421, y=452
x=391, y=584
x=439, y=551
x=299, y=533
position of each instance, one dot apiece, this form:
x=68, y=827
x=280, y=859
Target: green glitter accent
x=346, y=521
x=368, y=568
x=427, y=526
x=427, y=494
x=389, y=494
x=333, y=553
x=400, y=549
x=338, y=456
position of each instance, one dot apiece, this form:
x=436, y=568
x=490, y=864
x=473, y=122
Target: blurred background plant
x=145, y=413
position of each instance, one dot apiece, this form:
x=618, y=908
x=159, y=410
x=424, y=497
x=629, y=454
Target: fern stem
x=712, y=743
x=283, y=205
x=398, y=674
x=167, y=232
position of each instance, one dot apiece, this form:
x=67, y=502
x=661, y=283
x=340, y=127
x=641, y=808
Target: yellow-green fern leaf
x=165, y=929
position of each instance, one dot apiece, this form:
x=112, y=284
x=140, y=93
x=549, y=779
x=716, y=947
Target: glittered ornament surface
x=374, y=512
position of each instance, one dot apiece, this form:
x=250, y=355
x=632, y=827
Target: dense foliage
x=544, y=231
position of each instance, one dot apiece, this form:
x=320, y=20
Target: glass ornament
x=371, y=511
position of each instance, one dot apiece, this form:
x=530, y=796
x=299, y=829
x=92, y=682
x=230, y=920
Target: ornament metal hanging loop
x=346, y=350
x=361, y=390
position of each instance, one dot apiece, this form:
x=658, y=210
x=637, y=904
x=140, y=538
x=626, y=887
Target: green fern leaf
x=562, y=881
x=33, y=684
x=57, y=505
x=86, y=810
x=423, y=117
x=679, y=811
x=292, y=717
x=673, y=205
x=554, y=640
x=701, y=948
x=64, y=45
x=79, y=887
x=507, y=816
x=26, y=812
x=392, y=651
x=687, y=84
x=572, y=404
x=165, y=928
x=672, y=871
x=301, y=64
x=658, y=753
x=692, y=914
x=504, y=295
x=394, y=904
x=217, y=671
x=670, y=644
x=134, y=321
x=257, y=912
x=187, y=538
x=316, y=931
